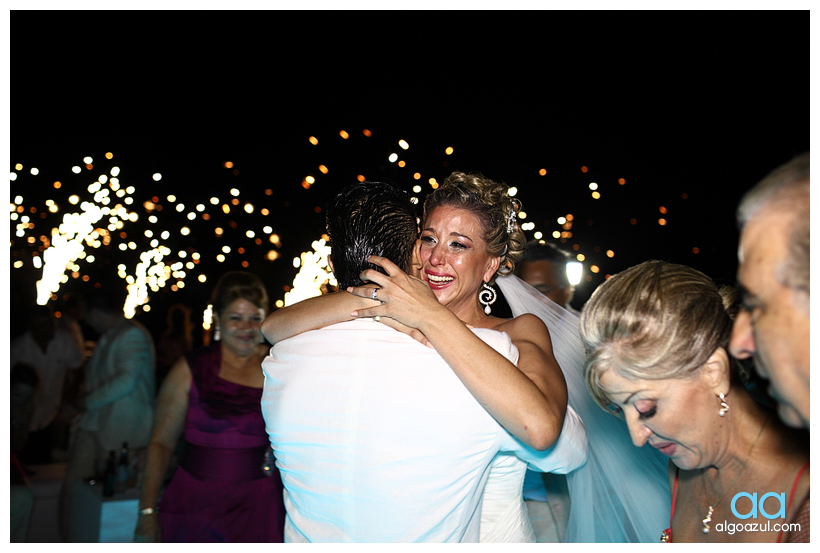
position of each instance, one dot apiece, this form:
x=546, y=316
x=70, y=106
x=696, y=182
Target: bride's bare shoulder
x=526, y=324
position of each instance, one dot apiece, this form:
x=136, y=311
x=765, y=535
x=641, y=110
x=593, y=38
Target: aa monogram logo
x=758, y=505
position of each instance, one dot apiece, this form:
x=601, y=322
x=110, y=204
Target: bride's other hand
x=405, y=298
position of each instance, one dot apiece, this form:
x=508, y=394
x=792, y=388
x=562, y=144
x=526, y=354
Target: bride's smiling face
x=453, y=256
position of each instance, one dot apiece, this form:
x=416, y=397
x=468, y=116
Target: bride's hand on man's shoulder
x=403, y=297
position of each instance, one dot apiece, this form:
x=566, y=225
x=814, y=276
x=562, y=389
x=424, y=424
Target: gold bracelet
x=148, y=511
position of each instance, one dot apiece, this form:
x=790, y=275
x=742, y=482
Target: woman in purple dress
x=224, y=489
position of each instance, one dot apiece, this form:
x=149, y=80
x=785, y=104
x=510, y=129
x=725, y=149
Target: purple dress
x=219, y=492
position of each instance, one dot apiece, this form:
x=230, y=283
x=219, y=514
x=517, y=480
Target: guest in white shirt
x=118, y=403
x=53, y=354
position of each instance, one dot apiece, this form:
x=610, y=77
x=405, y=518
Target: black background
x=674, y=102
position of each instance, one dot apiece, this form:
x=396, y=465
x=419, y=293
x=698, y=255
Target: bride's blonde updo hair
x=495, y=209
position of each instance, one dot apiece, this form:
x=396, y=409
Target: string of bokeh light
x=67, y=245
x=68, y=241
x=314, y=274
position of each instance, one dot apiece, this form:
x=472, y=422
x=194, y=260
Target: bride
x=470, y=235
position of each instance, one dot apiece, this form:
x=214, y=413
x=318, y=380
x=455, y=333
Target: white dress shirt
x=377, y=440
x=120, y=384
x=52, y=365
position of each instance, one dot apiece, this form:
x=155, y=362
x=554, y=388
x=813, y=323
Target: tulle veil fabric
x=622, y=492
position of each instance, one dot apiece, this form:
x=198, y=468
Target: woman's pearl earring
x=723, y=405
x=486, y=297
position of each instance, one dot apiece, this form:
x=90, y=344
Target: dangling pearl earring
x=723, y=405
x=486, y=297
x=217, y=335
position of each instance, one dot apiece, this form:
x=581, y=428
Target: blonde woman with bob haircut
x=656, y=337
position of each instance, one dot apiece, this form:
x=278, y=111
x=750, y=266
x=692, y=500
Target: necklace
x=708, y=518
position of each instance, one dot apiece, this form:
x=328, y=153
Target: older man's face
x=773, y=325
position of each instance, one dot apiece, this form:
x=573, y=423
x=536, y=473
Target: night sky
x=690, y=109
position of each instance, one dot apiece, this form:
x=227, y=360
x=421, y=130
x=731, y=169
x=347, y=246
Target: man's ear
x=415, y=261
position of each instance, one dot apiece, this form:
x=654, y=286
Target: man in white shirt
x=118, y=404
x=376, y=439
x=52, y=353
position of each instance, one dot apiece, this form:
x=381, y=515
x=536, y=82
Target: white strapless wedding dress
x=504, y=515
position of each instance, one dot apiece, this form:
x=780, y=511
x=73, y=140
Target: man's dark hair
x=540, y=250
x=369, y=218
x=24, y=373
x=109, y=298
x=37, y=312
x=70, y=301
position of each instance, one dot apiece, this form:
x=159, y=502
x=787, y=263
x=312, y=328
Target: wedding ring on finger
x=373, y=295
x=376, y=319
